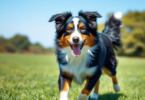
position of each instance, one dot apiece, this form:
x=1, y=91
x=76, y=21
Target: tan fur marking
x=89, y=40
x=71, y=26
x=68, y=74
x=81, y=25
x=85, y=91
x=96, y=88
x=106, y=71
x=66, y=87
x=63, y=41
x=114, y=78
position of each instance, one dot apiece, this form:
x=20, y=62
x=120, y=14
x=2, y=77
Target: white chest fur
x=78, y=66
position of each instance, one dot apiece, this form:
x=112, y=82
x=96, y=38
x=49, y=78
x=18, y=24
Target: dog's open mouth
x=76, y=48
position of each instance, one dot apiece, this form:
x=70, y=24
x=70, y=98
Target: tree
x=37, y=49
x=133, y=34
x=5, y=46
x=20, y=42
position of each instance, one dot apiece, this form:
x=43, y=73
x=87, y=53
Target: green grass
x=34, y=77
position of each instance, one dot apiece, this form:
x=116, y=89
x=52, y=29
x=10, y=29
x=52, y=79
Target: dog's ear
x=91, y=17
x=60, y=19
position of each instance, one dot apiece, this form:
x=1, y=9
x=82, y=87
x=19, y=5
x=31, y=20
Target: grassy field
x=34, y=77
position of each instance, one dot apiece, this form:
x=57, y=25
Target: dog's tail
x=112, y=29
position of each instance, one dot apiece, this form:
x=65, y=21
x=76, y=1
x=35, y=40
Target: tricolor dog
x=83, y=53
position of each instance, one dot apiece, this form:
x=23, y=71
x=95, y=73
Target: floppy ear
x=91, y=17
x=60, y=19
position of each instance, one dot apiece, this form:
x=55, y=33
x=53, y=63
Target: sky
x=30, y=17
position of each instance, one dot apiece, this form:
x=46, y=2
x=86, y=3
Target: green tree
x=133, y=34
x=6, y=46
x=37, y=49
x=20, y=42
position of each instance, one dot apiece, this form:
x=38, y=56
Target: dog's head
x=75, y=32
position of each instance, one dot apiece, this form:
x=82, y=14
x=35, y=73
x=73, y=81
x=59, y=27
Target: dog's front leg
x=91, y=81
x=64, y=86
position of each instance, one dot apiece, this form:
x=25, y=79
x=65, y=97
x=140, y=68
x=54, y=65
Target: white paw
x=63, y=98
x=118, y=15
x=82, y=97
x=94, y=96
x=116, y=87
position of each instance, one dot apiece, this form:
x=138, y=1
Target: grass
x=34, y=77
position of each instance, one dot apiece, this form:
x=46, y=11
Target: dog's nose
x=75, y=39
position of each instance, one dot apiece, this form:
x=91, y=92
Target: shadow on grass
x=110, y=96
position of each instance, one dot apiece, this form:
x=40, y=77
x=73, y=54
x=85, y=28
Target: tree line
x=21, y=44
x=133, y=38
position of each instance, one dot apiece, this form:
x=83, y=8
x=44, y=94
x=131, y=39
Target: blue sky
x=30, y=17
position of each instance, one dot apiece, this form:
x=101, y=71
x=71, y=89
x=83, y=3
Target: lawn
x=34, y=77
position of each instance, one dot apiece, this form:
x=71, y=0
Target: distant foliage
x=21, y=44
x=6, y=45
x=101, y=27
x=133, y=34
x=37, y=48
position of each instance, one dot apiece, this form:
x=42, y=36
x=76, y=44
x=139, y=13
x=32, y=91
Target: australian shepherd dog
x=83, y=53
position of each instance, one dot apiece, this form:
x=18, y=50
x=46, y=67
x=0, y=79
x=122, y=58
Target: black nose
x=75, y=39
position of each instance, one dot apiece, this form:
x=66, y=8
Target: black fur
x=60, y=20
x=91, y=18
x=112, y=29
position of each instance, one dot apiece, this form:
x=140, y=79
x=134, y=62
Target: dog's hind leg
x=96, y=90
x=114, y=79
x=115, y=83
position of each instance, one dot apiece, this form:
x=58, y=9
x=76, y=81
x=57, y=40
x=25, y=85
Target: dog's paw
x=94, y=96
x=90, y=98
x=116, y=87
x=63, y=98
x=82, y=97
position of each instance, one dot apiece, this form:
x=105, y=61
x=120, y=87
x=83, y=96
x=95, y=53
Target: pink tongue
x=76, y=49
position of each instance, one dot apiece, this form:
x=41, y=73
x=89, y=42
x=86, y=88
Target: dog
x=82, y=52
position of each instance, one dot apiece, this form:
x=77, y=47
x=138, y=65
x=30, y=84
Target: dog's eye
x=83, y=29
x=69, y=30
